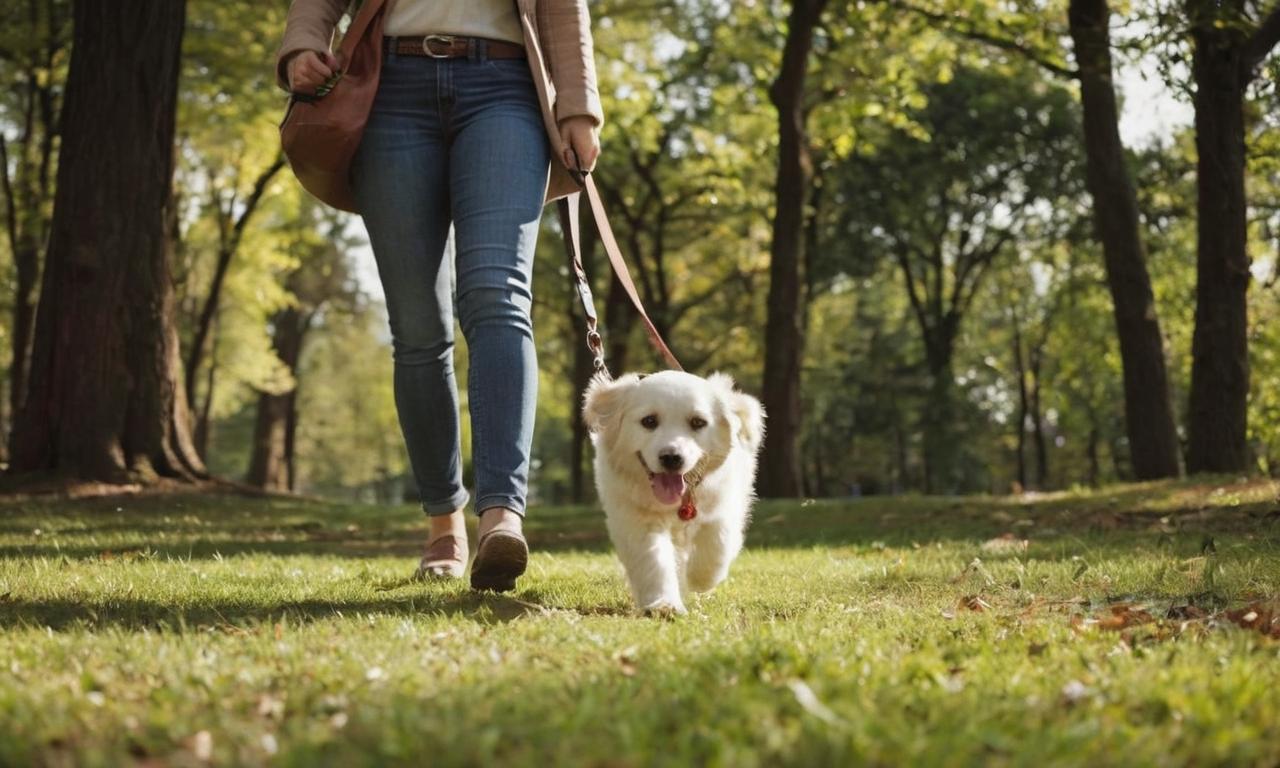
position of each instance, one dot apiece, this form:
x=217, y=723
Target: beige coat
x=557, y=36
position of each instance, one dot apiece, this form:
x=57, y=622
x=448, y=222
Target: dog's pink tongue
x=668, y=486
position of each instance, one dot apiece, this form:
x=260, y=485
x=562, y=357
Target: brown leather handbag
x=321, y=132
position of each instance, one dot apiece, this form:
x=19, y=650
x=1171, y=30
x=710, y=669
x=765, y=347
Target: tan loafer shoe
x=445, y=558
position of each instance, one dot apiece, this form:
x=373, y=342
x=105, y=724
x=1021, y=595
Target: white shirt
x=492, y=19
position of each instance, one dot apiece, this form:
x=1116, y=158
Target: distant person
x=462, y=133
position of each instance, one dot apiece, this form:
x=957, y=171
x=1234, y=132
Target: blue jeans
x=461, y=142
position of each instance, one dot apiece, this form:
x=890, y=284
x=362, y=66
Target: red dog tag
x=687, y=511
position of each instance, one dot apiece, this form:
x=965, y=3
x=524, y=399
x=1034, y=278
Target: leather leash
x=570, y=225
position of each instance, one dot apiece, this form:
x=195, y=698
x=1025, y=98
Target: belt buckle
x=429, y=39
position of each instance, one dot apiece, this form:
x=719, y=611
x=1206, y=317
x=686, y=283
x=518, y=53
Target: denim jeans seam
x=479, y=437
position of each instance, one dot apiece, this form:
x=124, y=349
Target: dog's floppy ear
x=603, y=400
x=746, y=415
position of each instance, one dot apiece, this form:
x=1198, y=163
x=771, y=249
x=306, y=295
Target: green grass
x=179, y=629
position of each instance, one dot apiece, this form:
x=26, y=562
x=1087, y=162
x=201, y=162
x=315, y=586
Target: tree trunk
x=619, y=317
x=1037, y=420
x=1217, y=417
x=1153, y=438
x=204, y=424
x=270, y=465
x=941, y=441
x=29, y=194
x=103, y=401
x=780, y=474
x=582, y=365
x=1095, y=468
x=1024, y=409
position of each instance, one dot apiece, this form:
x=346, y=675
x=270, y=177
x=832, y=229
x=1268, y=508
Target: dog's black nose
x=672, y=462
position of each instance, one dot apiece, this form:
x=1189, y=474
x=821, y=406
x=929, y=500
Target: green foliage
x=350, y=436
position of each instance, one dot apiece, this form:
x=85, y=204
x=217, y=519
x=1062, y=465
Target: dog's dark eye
x=649, y=422
x=697, y=422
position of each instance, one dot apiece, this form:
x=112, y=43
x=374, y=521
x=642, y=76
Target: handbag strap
x=359, y=25
x=570, y=225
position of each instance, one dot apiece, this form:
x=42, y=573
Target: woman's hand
x=579, y=133
x=309, y=69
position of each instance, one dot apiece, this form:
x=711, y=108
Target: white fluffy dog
x=675, y=466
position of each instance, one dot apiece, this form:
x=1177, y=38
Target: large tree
x=1150, y=424
x=784, y=332
x=318, y=285
x=1153, y=438
x=105, y=401
x=33, y=54
x=1230, y=39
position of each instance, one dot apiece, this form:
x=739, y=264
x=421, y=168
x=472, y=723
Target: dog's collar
x=693, y=478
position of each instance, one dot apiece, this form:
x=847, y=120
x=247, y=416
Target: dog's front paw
x=664, y=609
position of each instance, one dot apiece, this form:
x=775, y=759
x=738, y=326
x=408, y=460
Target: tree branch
x=11, y=215
x=1260, y=43
x=987, y=38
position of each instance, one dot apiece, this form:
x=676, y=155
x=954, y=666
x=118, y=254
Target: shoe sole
x=500, y=559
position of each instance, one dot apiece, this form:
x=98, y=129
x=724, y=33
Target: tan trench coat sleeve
x=309, y=27
x=564, y=30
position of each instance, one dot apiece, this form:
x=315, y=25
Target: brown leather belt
x=453, y=47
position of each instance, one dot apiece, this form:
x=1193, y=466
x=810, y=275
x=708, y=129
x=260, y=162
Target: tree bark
x=1036, y=358
x=29, y=193
x=270, y=465
x=942, y=472
x=1217, y=418
x=582, y=365
x=1153, y=437
x=1091, y=451
x=780, y=472
x=104, y=401
x=1024, y=408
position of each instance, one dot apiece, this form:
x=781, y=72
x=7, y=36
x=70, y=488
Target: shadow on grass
x=189, y=526
x=134, y=614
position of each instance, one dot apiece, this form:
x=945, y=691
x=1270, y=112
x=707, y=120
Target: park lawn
x=1127, y=626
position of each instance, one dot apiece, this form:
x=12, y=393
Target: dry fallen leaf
x=1258, y=617
x=626, y=659
x=1004, y=543
x=1123, y=616
x=1185, y=612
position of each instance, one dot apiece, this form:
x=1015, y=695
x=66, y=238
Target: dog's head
x=665, y=426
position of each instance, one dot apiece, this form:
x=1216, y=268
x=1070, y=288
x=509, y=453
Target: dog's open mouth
x=668, y=487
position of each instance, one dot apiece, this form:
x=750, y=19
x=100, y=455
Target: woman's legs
x=400, y=176
x=498, y=164
x=460, y=140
